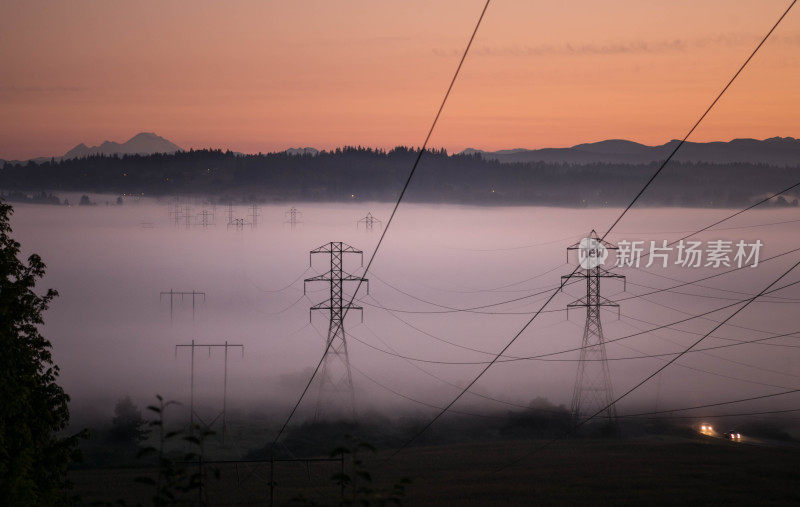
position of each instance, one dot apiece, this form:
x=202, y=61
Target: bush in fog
x=128, y=425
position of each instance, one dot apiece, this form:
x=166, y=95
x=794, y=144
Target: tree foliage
x=175, y=482
x=33, y=411
x=128, y=425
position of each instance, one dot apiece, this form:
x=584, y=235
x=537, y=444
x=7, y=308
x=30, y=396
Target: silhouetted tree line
x=36, y=198
x=374, y=174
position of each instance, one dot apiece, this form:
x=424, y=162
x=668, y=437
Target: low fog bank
x=116, y=440
x=450, y=286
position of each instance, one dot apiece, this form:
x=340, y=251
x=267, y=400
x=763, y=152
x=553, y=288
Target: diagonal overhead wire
x=658, y=370
x=702, y=117
x=394, y=212
x=611, y=228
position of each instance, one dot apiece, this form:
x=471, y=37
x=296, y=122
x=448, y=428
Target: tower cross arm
x=329, y=247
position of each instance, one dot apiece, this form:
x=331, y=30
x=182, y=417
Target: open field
x=632, y=472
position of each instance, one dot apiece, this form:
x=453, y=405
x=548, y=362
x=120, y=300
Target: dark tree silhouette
x=33, y=458
x=128, y=425
x=356, y=173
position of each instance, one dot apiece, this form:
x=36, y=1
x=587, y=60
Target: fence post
x=200, y=477
x=271, y=480
x=341, y=481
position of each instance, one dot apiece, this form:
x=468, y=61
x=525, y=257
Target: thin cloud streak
x=618, y=48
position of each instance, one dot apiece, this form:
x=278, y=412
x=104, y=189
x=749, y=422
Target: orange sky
x=266, y=75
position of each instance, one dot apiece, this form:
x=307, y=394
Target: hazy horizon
x=280, y=149
x=112, y=336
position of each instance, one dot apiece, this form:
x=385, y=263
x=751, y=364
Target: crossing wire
x=657, y=371
x=391, y=217
x=613, y=225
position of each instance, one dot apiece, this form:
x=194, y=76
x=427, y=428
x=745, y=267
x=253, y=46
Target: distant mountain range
x=776, y=151
x=779, y=151
x=302, y=151
x=144, y=143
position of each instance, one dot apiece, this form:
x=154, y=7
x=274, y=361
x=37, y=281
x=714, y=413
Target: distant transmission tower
x=205, y=218
x=237, y=223
x=592, y=389
x=176, y=214
x=187, y=215
x=223, y=414
x=336, y=381
x=255, y=212
x=368, y=222
x=292, y=217
x=230, y=214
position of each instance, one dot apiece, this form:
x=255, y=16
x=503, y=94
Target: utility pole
x=292, y=216
x=223, y=413
x=592, y=389
x=336, y=380
x=173, y=294
x=368, y=222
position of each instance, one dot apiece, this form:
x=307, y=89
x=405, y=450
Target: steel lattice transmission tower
x=255, y=212
x=292, y=215
x=369, y=221
x=592, y=389
x=205, y=218
x=336, y=395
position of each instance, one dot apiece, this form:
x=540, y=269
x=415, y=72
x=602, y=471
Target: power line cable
x=613, y=225
x=507, y=357
x=300, y=277
x=746, y=328
x=498, y=288
x=708, y=372
x=720, y=289
x=773, y=336
x=658, y=370
x=558, y=310
x=391, y=217
x=718, y=404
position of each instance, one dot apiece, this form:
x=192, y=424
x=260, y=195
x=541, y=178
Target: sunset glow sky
x=267, y=75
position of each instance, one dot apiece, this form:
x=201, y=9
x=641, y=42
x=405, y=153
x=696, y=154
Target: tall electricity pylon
x=336, y=380
x=592, y=391
x=368, y=222
x=292, y=216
